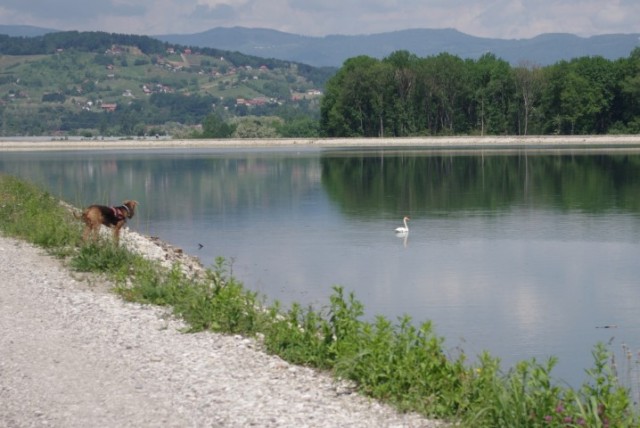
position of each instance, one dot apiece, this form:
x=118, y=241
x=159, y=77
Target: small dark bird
x=200, y=246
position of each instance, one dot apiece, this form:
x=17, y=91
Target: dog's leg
x=96, y=232
x=91, y=232
x=116, y=232
x=89, y=228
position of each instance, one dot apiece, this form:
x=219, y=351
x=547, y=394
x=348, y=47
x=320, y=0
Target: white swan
x=404, y=229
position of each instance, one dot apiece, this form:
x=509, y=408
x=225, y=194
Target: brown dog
x=115, y=217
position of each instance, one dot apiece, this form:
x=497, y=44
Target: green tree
x=302, y=127
x=604, y=79
x=493, y=94
x=449, y=81
x=214, y=126
x=579, y=96
x=353, y=104
x=629, y=105
x=398, y=91
x=56, y=97
x=528, y=81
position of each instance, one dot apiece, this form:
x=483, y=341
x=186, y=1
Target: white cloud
x=72, y=10
x=216, y=12
x=497, y=18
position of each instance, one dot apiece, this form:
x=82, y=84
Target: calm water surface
x=521, y=254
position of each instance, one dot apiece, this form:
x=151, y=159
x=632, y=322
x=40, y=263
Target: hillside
x=63, y=82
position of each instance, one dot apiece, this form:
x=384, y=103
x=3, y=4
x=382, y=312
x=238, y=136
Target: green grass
x=398, y=362
x=28, y=213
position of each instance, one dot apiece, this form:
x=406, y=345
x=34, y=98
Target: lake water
x=523, y=254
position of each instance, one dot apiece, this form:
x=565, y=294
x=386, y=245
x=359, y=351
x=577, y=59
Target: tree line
x=91, y=41
x=404, y=95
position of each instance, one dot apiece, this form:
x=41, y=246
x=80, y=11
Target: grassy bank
x=402, y=362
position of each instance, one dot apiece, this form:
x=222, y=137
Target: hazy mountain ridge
x=24, y=30
x=333, y=50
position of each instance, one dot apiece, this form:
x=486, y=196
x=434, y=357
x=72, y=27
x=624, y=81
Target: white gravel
x=75, y=355
x=530, y=142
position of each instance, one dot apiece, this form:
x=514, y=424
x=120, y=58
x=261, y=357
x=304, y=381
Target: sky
x=504, y=19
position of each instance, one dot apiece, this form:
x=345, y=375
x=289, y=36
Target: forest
x=404, y=95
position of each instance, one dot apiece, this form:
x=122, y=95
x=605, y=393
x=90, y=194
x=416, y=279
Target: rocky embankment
x=72, y=354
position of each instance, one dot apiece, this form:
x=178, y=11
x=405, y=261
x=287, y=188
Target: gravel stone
x=72, y=354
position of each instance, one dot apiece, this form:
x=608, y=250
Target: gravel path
x=75, y=355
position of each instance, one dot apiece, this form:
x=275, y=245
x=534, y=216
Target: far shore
x=593, y=142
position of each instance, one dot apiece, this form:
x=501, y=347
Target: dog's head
x=131, y=207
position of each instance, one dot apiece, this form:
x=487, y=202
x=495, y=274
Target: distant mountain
x=24, y=30
x=331, y=51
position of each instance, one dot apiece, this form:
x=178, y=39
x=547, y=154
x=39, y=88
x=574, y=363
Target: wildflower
x=600, y=409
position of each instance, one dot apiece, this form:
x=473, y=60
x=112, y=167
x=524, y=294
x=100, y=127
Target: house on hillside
x=109, y=107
